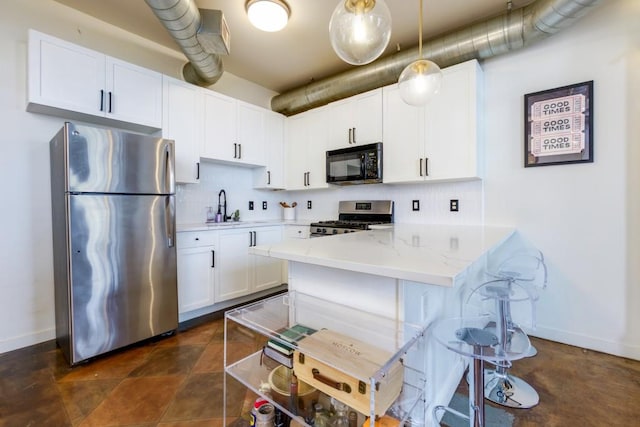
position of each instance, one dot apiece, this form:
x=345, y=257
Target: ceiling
x=301, y=52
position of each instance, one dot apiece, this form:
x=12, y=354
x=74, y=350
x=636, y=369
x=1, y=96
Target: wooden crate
x=340, y=354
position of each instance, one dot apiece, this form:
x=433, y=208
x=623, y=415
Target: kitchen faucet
x=224, y=213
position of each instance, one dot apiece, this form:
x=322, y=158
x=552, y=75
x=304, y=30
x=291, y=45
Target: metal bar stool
x=519, y=278
x=470, y=337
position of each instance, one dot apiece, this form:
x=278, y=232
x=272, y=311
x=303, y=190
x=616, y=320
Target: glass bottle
x=320, y=419
x=340, y=419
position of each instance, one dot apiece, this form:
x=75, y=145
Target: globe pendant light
x=360, y=30
x=421, y=79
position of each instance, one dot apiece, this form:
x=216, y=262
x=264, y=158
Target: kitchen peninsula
x=413, y=273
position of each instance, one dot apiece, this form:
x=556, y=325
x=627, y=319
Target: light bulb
x=360, y=30
x=419, y=82
x=268, y=15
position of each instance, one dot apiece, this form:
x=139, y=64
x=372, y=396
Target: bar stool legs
x=500, y=386
x=479, y=339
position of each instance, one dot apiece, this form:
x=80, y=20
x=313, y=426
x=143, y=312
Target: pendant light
x=360, y=30
x=421, y=79
x=268, y=15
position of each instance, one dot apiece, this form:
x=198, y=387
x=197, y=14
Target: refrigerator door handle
x=169, y=214
x=169, y=174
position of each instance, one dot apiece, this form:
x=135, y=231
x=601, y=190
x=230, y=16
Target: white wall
x=584, y=217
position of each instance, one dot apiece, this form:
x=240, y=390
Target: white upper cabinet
x=305, y=150
x=78, y=83
x=356, y=120
x=182, y=122
x=134, y=94
x=233, y=130
x=272, y=175
x=440, y=141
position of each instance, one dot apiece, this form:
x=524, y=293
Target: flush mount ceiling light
x=268, y=15
x=360, y=30
x=421, y=79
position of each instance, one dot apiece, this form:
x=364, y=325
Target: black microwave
x=355, y=165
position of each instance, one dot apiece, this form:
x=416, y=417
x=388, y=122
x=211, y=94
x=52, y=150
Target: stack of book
x=281, y=350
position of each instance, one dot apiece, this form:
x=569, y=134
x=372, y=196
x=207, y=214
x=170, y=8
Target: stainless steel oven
x=355, y=215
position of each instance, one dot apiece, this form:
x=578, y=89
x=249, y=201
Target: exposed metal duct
x=185, y=24
x=511, y=30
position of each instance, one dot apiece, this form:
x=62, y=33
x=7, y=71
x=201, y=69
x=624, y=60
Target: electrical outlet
x=264, y=206
x=250, y=206
x=415, y=205
x=308, y=204
x=453, y=205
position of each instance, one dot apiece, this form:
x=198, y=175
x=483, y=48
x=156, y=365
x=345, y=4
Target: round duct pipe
x=509, y=31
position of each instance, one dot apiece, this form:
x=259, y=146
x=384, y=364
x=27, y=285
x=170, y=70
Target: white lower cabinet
x=215, y=265
x=241, y=273
x=358, y=349
x=196, y=256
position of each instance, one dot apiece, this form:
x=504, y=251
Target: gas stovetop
x=355, y=216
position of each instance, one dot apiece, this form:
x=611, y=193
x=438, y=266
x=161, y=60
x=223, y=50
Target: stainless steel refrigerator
x=113, y=211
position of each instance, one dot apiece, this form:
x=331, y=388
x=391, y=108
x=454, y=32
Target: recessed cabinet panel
x=306, y=146
x=182, y=122
x=65, y=76
x=196, y=278
x=272, y=175
x=219, y=127
x=135, y=93
x=267, y=271
x=356, y=120
x=234, y=131
x=438, y=142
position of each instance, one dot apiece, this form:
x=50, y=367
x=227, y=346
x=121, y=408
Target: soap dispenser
x=219, y=215
x=210, y=216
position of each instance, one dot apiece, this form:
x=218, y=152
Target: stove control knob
x=318, y=230
x=335, y=231
x=324, y=230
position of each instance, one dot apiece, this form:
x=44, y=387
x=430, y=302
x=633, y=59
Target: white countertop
x=204, y=226
x=433, y=254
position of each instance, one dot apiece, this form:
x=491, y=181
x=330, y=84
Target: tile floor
x=177, y=381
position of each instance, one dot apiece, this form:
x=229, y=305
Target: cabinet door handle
x=420, y=159
x=426, y=166
x=101, y=99
x=354, y=135
x=235, y=150
x=197, y=170
x=239, y=151
x=268, y=177
x=350, y=135
x=255, y=238
x=110, y=101
x=213, y=259
x=331, y=383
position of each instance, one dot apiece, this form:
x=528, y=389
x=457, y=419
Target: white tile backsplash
x=193, y=199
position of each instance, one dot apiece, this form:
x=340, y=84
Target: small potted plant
x=236, y=215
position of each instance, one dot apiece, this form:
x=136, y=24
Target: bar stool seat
x=472, y=337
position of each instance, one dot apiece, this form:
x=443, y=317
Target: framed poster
x=558, y=125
